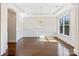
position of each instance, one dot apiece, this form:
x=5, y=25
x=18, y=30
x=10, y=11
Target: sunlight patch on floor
x=44, y=38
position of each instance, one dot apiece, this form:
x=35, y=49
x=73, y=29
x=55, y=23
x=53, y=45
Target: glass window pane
x=61, y=29
x=61, y=25
x=66, y=25
x=66, y=29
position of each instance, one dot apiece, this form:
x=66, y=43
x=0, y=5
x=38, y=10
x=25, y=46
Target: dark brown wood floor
x=11, y=48
x=33, y=47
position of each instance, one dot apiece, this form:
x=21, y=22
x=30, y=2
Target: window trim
x=62, y=19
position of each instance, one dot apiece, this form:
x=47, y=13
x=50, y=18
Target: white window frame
x=63, y=27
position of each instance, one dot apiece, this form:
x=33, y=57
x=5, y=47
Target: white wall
x=0, y=28
x=3, y=29
x=19, y=26
x=3, y=34
x=19, y=21
x=11, y=25
x=33, y=27
x=76, y=27
x=73, y=38
x=65, y=38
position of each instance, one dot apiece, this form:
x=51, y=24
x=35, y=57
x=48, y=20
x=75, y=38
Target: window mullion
x=63, y=26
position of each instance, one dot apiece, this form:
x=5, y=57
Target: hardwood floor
x=32, y=46
x=12, y=48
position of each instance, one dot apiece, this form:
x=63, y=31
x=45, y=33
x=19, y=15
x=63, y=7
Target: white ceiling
x=41, y=8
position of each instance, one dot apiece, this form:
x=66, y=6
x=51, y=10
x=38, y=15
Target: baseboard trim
x=5, y=54
x=76, y=51
x=64, y=43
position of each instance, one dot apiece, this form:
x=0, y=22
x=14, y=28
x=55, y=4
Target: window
x=64, y=25
x=61, y=25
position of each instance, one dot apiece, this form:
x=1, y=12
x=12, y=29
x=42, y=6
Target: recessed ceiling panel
x=41, y=8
